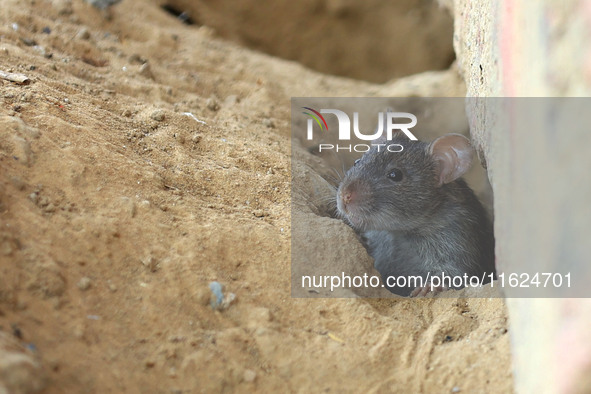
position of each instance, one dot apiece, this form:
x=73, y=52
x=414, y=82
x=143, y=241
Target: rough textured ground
x=117, y=209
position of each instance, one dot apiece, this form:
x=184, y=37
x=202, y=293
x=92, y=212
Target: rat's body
x=414, y=214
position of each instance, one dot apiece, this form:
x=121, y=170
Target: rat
x=415, y=215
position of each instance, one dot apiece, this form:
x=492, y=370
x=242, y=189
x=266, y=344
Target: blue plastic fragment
x=216, y=289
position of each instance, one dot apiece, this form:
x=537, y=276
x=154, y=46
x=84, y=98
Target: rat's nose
x=348, y=196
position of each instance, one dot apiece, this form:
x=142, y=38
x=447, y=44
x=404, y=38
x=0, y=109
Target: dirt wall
x=146, y=159
x=535, y=49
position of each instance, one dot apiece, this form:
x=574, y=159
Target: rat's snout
x=351, y=195
x=348, y=196
x=354, y=198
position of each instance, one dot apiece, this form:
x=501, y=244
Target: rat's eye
x=357, y=161
x=395, y=175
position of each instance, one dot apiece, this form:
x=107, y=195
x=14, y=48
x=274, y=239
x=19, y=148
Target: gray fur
x=415, y=226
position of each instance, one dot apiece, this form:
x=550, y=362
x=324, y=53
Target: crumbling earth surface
x=145, y=159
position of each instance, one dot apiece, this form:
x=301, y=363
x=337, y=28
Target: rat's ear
x=453, y=156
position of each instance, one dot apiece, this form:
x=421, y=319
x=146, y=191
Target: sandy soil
x=118, y=208
x=373, y=40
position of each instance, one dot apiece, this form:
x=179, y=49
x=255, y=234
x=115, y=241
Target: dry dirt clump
x=373, y=40
x=144, y=160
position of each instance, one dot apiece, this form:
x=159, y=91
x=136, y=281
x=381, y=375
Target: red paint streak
x=507, y=40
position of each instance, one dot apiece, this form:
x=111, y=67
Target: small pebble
x=259, y=213
x=16, y=331
x=203, y=296
x=212, y=104
x=218, y=301
x=135, y=58
x=146, y=71
x=28, y=41
x=102, y=4
x=78, y=331
x=216, y=289
x=64, y=7
x=150, y=263
x=231, y=100
x=158, y=115
x=84, y=283
x=249, y=375
x=83, y=34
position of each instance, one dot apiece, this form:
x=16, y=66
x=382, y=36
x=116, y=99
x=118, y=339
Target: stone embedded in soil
x=203, y=295
x=249, y=375
x=112, y=286
x=150, y=263
x=102, y=4
x=146, y=71
x=20, y=372
x=83, y=34
x=268, y=123
x=63, y=7
x=158, y=115
x=231, y=100
x=259, y=213
x=84, y=283
x=212, y=104
x=128, y=207
x=149, y=363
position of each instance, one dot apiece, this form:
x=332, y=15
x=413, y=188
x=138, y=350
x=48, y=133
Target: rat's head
x=389, y=190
